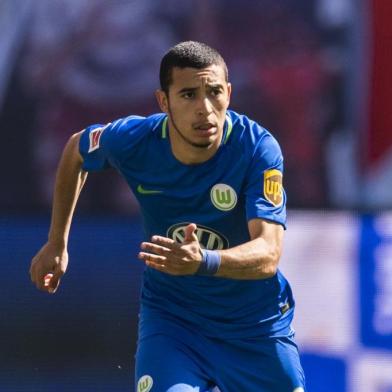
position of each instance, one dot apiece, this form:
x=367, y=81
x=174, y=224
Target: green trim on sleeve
x=164, y=128
x=229, y=128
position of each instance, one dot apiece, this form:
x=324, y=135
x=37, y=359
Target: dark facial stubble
x=197, y=145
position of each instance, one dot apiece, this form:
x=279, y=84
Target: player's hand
x=171, y=257
x=48, y=266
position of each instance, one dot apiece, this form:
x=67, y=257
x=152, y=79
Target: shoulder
x=120, y=136
x=252, y=138
x=135, y=126
x=128, y=130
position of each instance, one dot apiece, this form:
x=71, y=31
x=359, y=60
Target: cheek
x=181, y=113
x=222, y=104
x=181, y=106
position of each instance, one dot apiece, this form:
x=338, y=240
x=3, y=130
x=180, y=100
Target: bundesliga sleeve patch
x=95, y=137
x=273, y=189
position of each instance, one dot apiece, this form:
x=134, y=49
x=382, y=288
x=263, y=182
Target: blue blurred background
x=315, y=73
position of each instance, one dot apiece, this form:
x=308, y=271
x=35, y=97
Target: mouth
x=205, y=129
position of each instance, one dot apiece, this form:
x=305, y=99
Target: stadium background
x=316, y=73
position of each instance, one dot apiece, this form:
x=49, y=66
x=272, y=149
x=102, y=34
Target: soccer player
x=215, y=309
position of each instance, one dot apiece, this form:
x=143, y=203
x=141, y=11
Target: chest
x=173, y=191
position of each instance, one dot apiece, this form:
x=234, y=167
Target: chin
x=204, y=145
x=206, y=142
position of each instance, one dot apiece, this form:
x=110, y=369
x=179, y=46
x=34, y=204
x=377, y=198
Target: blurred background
x=315, y=73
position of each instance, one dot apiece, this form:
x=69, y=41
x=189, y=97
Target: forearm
x=70, y=179
x=256, y=259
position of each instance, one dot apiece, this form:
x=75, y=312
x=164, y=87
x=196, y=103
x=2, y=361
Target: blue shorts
x=178, y=359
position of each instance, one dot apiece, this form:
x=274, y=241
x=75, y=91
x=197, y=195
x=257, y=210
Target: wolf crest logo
x=223, y=197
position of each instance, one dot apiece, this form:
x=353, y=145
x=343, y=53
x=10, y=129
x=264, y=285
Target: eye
x=188, y=95
x=215, y=92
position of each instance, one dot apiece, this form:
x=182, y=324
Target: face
x=196, y=106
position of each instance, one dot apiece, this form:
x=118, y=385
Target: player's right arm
x=52, y=258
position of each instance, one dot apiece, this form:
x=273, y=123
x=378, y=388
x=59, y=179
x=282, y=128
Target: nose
x=204, y=106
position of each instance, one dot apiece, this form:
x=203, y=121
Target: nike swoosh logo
x=143, y=191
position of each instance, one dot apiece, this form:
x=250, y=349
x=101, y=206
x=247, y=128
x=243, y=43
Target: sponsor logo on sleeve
x=95, y=137
x=273, y=189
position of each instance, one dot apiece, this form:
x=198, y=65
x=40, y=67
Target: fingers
x=157, y=249
x=32, y=271
x=51, y=283
x=163, y=241
x=47, y=279
x=38, y=276
x=157, y=256
x=35, y=271
x=43, y=281
x=54, y=281
x=190, y=233
x=159, y=263
x=44, y=277
x=159, y=267
x=154, y=261
x=48, y=282
x=171, y=257
x=150, y=258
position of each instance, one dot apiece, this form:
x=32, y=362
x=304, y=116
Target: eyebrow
x=215, y=85
x=187, y=90
x=192, y=89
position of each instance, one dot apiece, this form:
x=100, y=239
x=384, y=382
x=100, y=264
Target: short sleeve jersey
x=242, y=181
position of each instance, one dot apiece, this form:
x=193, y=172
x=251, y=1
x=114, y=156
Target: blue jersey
x=239, y=183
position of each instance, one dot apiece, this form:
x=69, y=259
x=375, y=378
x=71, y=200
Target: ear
x=162, y=100
x=228, y=92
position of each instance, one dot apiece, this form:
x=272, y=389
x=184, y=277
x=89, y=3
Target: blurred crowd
x=66, y=64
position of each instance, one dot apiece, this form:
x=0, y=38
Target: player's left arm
x=256, y=259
